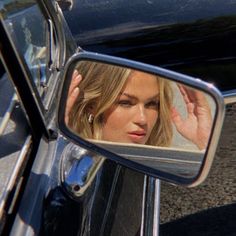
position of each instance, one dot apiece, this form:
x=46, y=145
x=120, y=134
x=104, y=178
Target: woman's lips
x=137, y=136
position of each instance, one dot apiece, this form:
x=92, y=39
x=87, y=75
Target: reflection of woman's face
x=135, y=112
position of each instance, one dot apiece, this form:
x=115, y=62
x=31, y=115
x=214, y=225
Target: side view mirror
x=150, y=119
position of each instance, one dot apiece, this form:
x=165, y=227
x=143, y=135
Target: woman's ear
x=91, y=108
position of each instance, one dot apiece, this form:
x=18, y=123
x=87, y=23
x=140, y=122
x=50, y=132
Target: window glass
x=27, y=27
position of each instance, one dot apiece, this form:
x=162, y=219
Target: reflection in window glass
x=27, y=28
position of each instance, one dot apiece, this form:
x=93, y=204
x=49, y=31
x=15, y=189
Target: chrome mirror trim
x=176, y=77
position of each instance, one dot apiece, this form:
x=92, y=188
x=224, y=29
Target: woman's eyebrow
x=128, y=95
x=156, y=96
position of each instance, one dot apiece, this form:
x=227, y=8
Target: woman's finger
x=76, y=78
x=184, y=93
x=72, y=94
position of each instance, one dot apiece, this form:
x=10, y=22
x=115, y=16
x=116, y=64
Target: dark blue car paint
x=195, y=37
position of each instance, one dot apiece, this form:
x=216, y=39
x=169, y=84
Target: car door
x=38, y=57
x=197, y=39
x=109, y=206
x=33, y=51
x=37, y=44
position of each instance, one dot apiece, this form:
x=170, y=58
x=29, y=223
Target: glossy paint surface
x=195, y=37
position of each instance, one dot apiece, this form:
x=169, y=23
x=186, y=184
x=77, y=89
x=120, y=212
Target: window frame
x=55, y=58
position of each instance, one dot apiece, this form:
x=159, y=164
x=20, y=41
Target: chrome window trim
x=55, y=15
x=150, y=206
x=15, y=174
x=156, y=213
x=6, y=117
x=143, y=206
x=229, y=96
x=57, y=45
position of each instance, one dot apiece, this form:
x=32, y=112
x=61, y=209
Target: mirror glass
x=141, y=116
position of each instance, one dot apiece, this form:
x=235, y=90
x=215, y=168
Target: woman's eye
x=125, y=103
x=153, y=104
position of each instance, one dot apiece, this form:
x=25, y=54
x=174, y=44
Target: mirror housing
x=176, y=165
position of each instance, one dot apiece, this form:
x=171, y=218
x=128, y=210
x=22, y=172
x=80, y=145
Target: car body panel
x=195, y=37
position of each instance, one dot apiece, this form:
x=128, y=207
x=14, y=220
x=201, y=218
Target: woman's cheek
x=116, y=117
x=153, y=118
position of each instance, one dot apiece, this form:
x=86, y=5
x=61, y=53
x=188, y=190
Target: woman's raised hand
x=198, y=123
x=73, y=93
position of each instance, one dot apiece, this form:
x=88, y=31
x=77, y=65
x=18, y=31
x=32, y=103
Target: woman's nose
x=140, y=116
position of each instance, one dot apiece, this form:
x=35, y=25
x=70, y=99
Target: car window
x=27, y=28
x=15, y=140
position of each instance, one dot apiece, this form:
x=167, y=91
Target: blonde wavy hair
x=100, y=87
